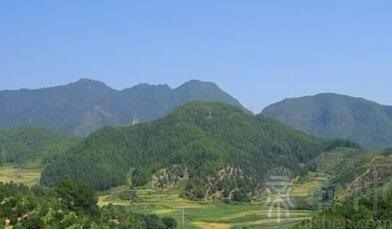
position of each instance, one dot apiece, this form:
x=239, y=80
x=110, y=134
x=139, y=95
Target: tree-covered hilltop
x=337, y=116
x=32, y=145
x=82, y=107
x=218, y=150
x=68, y=205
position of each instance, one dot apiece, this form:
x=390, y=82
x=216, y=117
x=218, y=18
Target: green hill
x=86, y=105
x=214, y=150
x=337, y=116
x=32, y=145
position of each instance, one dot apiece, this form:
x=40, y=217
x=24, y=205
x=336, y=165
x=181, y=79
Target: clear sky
x=258, y=51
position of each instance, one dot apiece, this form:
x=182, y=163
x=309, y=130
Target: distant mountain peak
x=205, y=91
x=147, y=85
x=84, y=82
x=197, y=83
x=87, y=81
x=333, y=115
x=334, y=95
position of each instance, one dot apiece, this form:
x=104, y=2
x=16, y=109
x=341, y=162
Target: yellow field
x=26, y=176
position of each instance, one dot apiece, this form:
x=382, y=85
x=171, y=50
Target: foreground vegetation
x=68, y=205
x=369, y=211
x=308, y=195
x=358, y=186
x=197, y=213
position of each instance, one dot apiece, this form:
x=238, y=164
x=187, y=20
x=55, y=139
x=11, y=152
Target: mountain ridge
x=334, y=115
x=83, y=106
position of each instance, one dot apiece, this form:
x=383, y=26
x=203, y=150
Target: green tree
x=241, y=196
x=34, y=221
x=77, y=196
x=169, y=222
x=140, y=177
x=154, y=222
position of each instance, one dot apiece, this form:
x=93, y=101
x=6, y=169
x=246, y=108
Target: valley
x=307, y=195
x=197, y=214
x=213, y=214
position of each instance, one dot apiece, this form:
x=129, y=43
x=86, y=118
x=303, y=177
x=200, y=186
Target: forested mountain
x=337, y=116
x=32, y=145
x=86, y=105
x=216, y=149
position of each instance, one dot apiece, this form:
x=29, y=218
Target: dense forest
x=68, y=205
x=35, y=146
x=213, y=147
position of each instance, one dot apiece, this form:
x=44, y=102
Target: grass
x=26, y=176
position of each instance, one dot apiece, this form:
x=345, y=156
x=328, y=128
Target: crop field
x=215, y=214
x=27, y=176
x=306, y=196
x=197, y=214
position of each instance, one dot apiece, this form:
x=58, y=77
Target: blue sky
x=258, y=51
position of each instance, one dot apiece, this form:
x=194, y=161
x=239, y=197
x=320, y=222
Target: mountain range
x=196, y=137
x=337, y=116
x=86, y=105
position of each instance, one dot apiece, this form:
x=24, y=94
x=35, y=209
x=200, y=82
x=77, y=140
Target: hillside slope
x=34, y=144
x=86, y=105
x=337, y=116
x=215, y=149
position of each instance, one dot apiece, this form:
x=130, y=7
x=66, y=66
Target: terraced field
x=351, y=171
x=24, y=176
x=197, y=214
x=215, y=214
x=341, y=165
